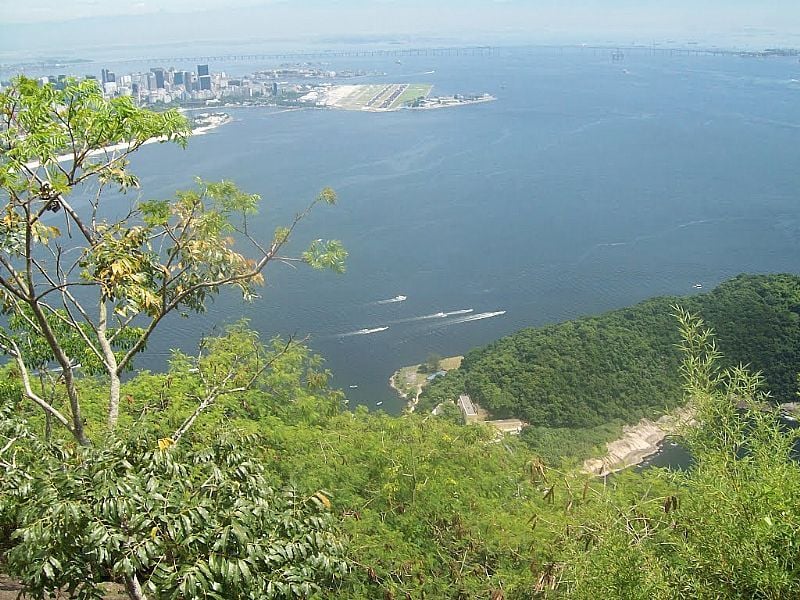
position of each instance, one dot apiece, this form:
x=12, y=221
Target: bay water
x=589, y=184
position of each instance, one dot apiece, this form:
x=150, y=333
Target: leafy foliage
x=94, y=290
x=432, y=509
x=167, y=519
x=179, y=521
x=429, y=508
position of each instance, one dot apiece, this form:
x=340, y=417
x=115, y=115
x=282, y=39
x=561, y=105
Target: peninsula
x=409, y=381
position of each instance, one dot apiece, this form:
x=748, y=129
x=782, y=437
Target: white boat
x=698, y=286
x=352, y=387
x=378, y=403
x=398, y=298
x=375, y=330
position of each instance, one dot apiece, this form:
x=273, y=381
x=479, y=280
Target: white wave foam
x=399, y=298
x=364, y=331
x=464, y=311
x=439, y=315
x=478, y=317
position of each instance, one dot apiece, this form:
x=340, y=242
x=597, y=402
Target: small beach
x=638, y=442
x=408, y=382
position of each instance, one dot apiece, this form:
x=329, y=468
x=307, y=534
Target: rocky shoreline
x=638, y=442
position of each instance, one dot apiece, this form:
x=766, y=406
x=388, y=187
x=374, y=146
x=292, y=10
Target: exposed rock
x=638, y=442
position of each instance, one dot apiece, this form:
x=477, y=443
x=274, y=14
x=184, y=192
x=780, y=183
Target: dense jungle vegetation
x=397, y=507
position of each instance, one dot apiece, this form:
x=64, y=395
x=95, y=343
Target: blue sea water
x=588, y=185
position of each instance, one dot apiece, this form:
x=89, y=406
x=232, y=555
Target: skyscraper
x=177, y=78
x=202, y=70
x=205, y=82
x=159, y=73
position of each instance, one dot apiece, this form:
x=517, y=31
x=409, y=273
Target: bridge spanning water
x=294, y=56
x=617, y=51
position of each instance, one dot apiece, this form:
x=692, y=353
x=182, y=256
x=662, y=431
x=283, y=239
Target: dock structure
x=467, y=409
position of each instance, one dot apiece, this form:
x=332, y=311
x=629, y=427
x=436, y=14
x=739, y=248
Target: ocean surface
x=587, y=186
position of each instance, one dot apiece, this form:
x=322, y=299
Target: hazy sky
x=50, y=24
x=605, y=13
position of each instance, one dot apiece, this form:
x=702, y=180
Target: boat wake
x=399, y=298
x=471, y=318
x=439, y=315
x=363, y=332
x=464, y=311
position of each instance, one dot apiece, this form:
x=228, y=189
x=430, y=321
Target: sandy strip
x=638, y=442
x=125, y=146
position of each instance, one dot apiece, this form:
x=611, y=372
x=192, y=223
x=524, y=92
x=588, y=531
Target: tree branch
x=11, y=348
x=219, y=390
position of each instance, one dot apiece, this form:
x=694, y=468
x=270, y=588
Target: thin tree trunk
x=110, y=360
x=134, y=589
x=48, y=418
x=74, y=403
x=113, y=400
x=69, y=376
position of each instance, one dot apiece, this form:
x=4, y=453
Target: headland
x=409, y=381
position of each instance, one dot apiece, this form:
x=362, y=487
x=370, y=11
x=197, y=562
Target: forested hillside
x=398, y=507
x=623, y=365
x=422, y=507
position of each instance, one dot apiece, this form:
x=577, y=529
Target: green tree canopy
x=98, y=286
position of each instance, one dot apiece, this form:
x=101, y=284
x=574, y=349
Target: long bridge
x=388, y=53
x=305, y=56
x=294, y=56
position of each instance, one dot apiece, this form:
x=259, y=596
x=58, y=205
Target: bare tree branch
x=13, y=350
